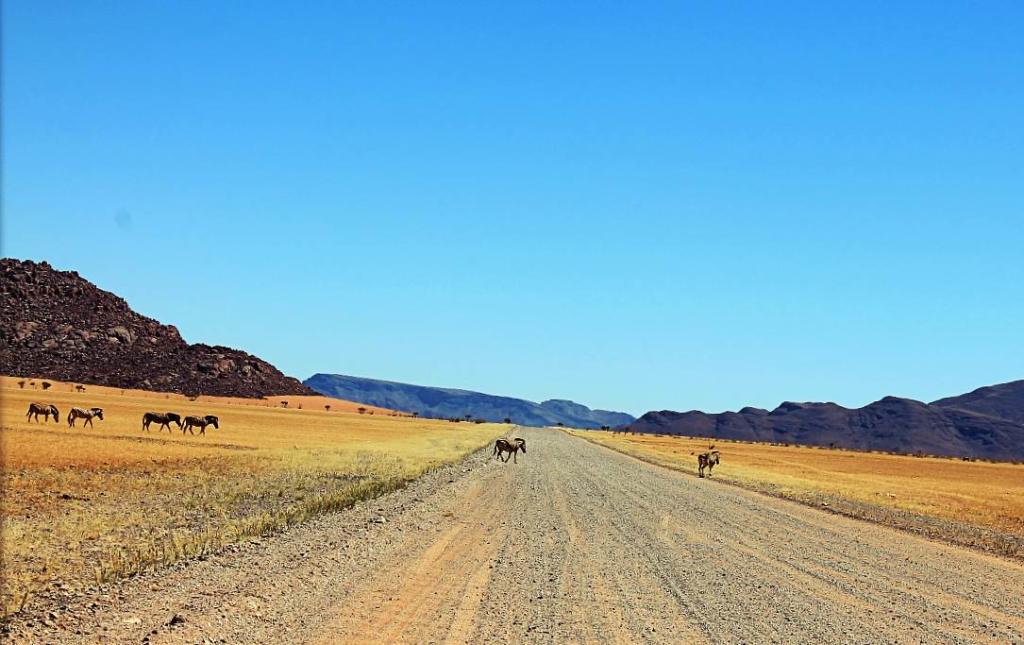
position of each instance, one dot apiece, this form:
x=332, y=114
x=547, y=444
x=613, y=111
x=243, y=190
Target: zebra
x=165, y=419
x=79, y=413
x=707, y=460
x=45, y=409
x=201, y=423
x=502, y=446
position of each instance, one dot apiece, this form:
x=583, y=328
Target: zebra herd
x=163, y=419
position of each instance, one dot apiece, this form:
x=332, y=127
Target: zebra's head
x=55, y=412
x=214, y=420
x=98, y=412
x=522, y=444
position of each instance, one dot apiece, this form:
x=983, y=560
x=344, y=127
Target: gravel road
x=576, y=543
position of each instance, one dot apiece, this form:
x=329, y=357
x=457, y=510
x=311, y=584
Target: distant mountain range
x=448, y=403
x=986, y=423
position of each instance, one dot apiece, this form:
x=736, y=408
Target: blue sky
x=634, y=205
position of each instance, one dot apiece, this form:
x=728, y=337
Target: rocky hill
x=55, y=324
x=1004, y=401
x=988, y=423
x=448, y=403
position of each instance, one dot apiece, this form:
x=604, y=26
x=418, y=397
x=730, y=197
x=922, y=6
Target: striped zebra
x=79, y=413
x=502, y=446
x=201, y=423
x=708, y=460
x=165, y=419
x=45, y=409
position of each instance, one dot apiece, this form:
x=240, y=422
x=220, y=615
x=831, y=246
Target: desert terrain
x=968, y=502
x=575, y=543
x=84, y=506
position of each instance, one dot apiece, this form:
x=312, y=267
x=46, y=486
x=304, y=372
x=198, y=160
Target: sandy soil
x=576, y=543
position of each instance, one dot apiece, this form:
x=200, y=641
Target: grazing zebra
x=79, y=413
x=165, y=419
x=502, y=446
x=45, y=409
x=201, y=423
x=707, y=460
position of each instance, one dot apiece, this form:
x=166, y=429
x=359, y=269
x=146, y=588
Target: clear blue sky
x=634, y=205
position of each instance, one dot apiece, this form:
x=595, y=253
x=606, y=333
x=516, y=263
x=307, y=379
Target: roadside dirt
x=575, y=543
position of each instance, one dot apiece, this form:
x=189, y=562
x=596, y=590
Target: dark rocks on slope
x=55, y=324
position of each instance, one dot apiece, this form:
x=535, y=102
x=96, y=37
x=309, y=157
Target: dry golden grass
x=893, y=489
x=86, y=505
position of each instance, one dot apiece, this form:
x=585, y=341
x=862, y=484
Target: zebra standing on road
x=707, y=460
x=502, y=446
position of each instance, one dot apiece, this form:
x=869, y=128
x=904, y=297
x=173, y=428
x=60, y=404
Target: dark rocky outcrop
x=55, y=324
x=451, y=403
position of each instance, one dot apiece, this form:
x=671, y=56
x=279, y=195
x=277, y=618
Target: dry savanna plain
x=86, y=506
x=970, y=503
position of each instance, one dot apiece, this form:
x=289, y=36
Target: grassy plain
x=979, y=504
x=83, y=506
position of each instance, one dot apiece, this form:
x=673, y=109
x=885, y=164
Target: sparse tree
x=508, y=420
x=361, y=410
x=47, y=385
x=415, y=414
x=21, y=384
x=327, y=407
x=561, y=425
x=284, y=404
x=468, y=417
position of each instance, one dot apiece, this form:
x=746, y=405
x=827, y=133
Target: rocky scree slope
x=55, y=324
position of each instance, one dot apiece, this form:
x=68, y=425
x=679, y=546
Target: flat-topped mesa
x=55, y=324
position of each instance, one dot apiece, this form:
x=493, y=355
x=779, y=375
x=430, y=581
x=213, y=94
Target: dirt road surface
x=575, y=543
